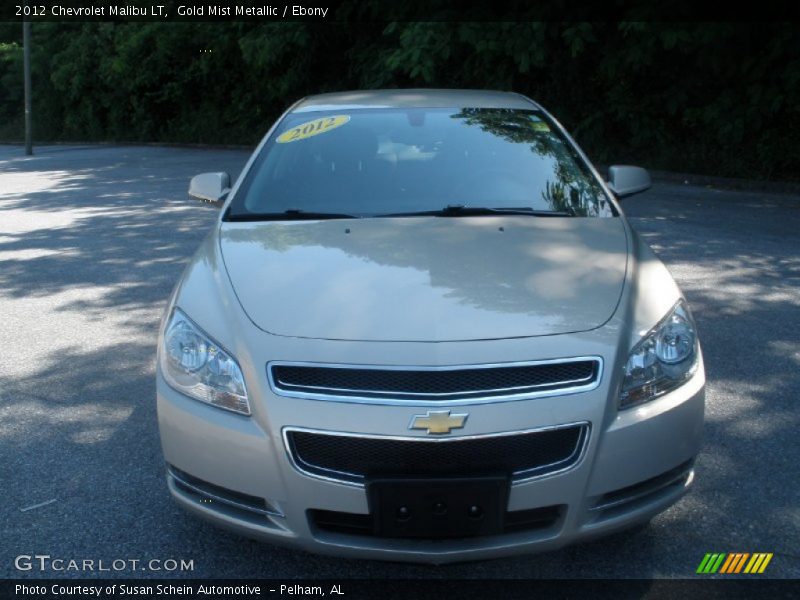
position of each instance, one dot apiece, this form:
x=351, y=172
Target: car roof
x=414, y=98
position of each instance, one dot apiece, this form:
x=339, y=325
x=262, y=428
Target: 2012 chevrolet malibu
x=422, y=329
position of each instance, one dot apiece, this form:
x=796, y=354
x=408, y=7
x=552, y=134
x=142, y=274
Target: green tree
x=713, y=98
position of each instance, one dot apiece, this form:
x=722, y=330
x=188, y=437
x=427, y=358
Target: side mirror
x=625, y=180
x=210, y=187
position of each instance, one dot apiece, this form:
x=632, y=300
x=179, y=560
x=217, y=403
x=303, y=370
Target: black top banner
x=408, y=10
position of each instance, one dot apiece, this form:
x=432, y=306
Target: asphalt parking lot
x=92, y=240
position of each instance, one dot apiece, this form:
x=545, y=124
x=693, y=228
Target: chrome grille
x=435, y=384
x=353, y=458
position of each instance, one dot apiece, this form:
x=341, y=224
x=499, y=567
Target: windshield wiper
x=292, y=214
x=460, y=210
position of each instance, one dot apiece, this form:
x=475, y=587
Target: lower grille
x=532, y=519
x=352, y=458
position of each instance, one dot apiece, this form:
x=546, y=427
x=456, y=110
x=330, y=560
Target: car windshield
x=393, y=162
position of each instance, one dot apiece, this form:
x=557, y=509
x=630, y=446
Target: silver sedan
x=422, y=329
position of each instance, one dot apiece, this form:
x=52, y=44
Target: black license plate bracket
x=438, y=508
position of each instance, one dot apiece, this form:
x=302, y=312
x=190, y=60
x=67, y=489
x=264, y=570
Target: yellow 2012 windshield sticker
x=540, y=126
x=312, y=128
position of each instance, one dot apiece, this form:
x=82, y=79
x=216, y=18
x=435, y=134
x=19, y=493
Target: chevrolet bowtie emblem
x=438, y=421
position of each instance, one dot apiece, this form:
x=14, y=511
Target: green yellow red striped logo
x=734, y=562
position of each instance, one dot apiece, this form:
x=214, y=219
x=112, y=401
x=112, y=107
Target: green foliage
x=11, y=96
x=712, y=98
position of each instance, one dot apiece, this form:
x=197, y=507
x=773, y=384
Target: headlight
x=196, y=365
x=664, y=359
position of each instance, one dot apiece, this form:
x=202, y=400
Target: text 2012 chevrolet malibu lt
x=423, y=330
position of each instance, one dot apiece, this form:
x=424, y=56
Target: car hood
x=426, y=278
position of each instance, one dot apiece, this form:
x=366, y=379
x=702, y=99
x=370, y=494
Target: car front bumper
x=237, y=472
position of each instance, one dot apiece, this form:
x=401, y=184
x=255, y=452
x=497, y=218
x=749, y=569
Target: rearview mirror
x=210, y=187
x=625, y=180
